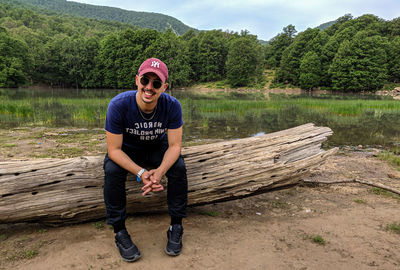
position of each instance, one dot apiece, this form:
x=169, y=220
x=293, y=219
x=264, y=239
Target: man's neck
x=145, y=107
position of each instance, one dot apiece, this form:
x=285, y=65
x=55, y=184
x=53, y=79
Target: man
x=144, y=129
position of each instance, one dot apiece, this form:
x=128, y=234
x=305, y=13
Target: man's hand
x=151, y=182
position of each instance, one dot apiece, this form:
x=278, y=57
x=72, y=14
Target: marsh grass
x=54, y=111
x=357, y=120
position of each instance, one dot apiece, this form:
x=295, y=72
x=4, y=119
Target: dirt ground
x=308, y=226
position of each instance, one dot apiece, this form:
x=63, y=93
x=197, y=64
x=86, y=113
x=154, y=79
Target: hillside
x=156, y=21
x=326, y=25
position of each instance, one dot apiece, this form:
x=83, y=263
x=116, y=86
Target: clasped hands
x=151, y=181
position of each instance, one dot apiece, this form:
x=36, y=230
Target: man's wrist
x=139, y=174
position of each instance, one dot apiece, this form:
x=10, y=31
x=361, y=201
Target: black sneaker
x=129, y=252
x=174, y=244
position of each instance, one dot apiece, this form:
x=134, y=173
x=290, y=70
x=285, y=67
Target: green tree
x=121, y=54
x=394, y=60
x=310, y=71
x=276, y=46
x=330, y=49
x=174, y=52
x=360, y=64
x=15, y=61
x=394, y=27
x=289, y=70
x=245, y=61
x=211, y=55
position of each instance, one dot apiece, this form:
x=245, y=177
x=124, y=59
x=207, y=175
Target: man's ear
x=137, y=80
x=165, y=87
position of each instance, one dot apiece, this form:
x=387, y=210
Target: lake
x=355, y=119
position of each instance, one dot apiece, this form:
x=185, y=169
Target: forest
x=152, y=20
x=352, y=54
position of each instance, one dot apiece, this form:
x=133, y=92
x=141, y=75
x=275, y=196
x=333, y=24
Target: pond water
x=355, y=119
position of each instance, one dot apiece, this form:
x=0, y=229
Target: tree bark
x=65, y=191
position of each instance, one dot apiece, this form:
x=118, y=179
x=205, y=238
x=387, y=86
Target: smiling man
x=144, y=130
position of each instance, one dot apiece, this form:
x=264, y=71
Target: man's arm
x=115, y=153
x=174, y=149
x=171, y=155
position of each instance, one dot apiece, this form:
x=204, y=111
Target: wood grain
x=65, y=191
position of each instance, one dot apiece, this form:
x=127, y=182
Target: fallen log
x=65, y=191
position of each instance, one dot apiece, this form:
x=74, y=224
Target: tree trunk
x=64, y=191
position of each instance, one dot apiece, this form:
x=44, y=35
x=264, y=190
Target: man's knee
x=177, y=171
x=112, y=169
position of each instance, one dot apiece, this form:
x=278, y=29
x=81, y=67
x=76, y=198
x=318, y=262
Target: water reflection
x=355, y=119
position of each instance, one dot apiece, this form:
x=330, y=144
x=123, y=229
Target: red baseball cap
x=156, y=66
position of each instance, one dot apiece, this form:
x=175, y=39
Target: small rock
x=308, y=210
x=258, y=214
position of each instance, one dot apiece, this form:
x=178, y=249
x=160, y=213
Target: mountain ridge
x=158, y=21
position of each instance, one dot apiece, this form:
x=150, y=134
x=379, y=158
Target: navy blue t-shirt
x=123, y=117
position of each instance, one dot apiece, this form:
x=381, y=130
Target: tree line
x=352, y=54
x=71, y=52
x=140, y=19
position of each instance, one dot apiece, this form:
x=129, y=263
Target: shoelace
x=176, y=233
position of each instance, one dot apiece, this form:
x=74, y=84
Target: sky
x=264, y=18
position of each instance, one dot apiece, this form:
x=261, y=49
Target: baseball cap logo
x=155, y=64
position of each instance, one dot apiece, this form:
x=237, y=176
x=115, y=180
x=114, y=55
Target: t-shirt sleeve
x=113, y=119
x=175, y=119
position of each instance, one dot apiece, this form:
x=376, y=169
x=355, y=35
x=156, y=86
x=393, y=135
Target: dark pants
x=115, y=178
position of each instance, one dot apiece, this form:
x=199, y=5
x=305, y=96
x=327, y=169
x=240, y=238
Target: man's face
x=148, y=93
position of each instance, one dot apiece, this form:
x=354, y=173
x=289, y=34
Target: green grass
x=54, y=111
x=279, y=204
x=318, y=240
x=360, y=201
x=390, y=86
x=222, y=103
x=210, y=213
x=91, y=111
x=354, y=120
x=392, y=157
x=385, y=193
x=9, y=145
x=394, y=227
x=28, y=253
x=99, y=225
x=61, y=152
